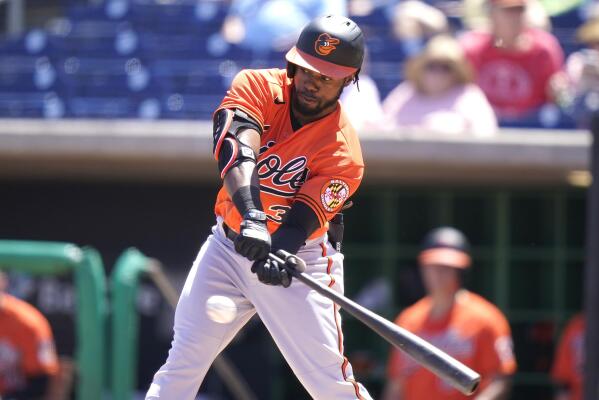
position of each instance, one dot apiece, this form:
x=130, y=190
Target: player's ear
x=348, y=80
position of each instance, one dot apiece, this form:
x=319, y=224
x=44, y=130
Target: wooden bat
x=437, y=361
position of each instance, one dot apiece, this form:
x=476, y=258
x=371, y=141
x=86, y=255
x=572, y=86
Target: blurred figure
x=569, y=358
x=475, y=15
x=28, y=361
x=577, y=87
x=513, y=63
x=438, y=94
x=362, y=102
x=414, y=22
x=273, y=25
x=459, y=322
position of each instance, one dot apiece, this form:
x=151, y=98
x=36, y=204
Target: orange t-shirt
x=474, y=331
x=320, y=164
x=26, y=344
x=568, y=363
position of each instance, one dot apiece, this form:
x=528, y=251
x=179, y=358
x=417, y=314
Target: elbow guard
x=228, y=150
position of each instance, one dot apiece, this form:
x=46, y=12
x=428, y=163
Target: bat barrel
x=449, y=369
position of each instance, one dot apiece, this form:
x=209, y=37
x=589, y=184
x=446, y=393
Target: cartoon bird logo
x=325, y=44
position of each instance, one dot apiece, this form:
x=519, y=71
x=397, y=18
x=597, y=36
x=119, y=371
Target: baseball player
x=567, y=370
x=289, y=160
x=459, y=322
x=28, y=361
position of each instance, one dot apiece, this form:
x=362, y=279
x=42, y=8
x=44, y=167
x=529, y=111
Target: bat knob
x=292, y=261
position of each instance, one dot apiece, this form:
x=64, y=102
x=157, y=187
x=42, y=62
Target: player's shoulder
x=24, y=314
x=416, y=313
x=269, y=76
x=481, y=309
x=576, y=323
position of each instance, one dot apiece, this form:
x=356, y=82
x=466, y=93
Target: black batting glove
x=253, y=240
x=270, y=272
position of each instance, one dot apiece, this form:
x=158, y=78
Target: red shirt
x=320, y=164
x=568, y=363
x=26, y=344
x=474, y=331
x=515, y=81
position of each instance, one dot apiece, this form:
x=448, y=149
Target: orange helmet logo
x=325, y=44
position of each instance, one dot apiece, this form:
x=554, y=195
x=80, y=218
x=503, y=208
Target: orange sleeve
x=495, y=355
x=563, y=365
x=39, y=353
x=395, y=359
x=248, y=92
x=333, y=179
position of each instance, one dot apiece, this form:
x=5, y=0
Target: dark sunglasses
x=438, y=66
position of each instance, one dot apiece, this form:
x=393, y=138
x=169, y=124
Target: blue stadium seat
x=27, y=74
x=30, y=105
x=101, y=107
x=184, y=106
x=96, y=38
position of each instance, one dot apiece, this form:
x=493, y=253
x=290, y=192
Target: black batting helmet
x=331, y=45
x=445, y=246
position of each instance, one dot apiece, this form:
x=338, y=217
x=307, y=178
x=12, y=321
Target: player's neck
x=442, y=304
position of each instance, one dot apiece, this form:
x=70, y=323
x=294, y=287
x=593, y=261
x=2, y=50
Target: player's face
x=315, y=95
x=440, y=279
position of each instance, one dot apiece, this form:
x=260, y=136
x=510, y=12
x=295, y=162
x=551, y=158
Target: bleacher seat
x=101, y=107
x=30, y=105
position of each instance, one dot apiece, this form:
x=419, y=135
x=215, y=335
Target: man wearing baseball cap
x=513, y=62
x=461, y=323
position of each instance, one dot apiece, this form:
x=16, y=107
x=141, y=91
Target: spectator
x=28, y=361
x=577, y=87
x=438, y=94
x=414, y=22
x=476, y=16
x=266, y=25
x=362, y=102
x=513, y=63
x=568, y=363
x=461, y=323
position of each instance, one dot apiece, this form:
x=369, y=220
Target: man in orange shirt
x=289, y=159
x=28, y=359
x=461, y=323
x=569, y=359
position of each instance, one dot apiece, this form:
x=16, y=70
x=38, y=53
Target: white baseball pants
x=305, y=325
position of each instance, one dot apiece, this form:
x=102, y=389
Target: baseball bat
x=434, y=359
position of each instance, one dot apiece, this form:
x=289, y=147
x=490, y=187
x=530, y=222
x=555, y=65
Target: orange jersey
x=568, y=363
x=319, y=164
x=474, y=331
x=26, y=344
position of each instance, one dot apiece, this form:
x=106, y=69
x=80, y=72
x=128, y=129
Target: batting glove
x=253, y=240
x=270, y=272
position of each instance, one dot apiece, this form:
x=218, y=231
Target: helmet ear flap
x=291, y=70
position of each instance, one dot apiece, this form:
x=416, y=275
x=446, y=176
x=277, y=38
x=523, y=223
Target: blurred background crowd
x=492, y=63
x=455, y=68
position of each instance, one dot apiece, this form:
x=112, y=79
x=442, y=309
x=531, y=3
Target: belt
x=230, y=233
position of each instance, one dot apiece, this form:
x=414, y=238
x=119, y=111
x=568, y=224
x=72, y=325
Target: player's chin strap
x=228, y=150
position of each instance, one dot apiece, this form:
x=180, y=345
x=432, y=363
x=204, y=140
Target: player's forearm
x=241, y=181
x=498, y=389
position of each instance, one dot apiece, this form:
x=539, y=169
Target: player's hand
x=271, y=272
x=253, y=240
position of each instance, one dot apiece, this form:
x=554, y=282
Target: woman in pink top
x=438, y=95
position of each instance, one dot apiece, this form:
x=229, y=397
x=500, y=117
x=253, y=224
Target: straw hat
x=588, y=33
x=443, y=49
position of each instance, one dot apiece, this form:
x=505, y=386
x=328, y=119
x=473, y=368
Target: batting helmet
x=445, y=246
x=331, y=45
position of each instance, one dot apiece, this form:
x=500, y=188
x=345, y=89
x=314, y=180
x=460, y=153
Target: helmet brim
x=445, y=256
x=298, y=57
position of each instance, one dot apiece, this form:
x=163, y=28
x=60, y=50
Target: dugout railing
x=85, y=263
